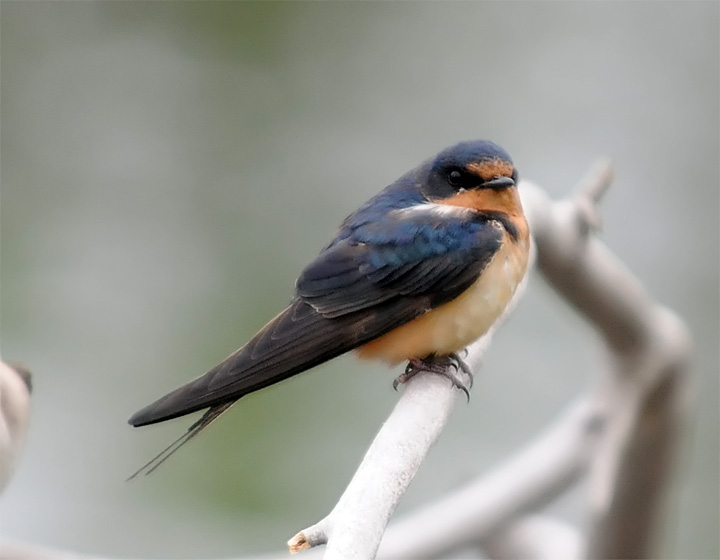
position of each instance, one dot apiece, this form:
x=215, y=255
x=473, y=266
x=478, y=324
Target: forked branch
x=624, y=434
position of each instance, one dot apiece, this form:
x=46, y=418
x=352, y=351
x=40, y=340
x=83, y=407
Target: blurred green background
x=169, y=167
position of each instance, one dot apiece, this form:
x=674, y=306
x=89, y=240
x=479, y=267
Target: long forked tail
x=208, y=418
x=296, y=340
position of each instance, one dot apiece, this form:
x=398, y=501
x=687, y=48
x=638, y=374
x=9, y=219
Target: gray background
x=168, y=168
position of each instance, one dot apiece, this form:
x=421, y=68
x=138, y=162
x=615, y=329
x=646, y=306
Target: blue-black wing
x=429, y=254
x=376, y=276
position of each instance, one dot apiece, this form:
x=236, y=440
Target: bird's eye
x=455, y=177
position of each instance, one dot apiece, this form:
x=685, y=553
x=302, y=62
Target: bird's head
x=476, y=164
x=475, y=174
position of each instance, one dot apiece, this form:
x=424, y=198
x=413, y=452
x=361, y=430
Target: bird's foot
x=442, y=366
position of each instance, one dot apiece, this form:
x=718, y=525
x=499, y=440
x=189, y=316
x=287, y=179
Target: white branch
x=530, y=479
x=14, y=417
x=647, y=390
x=355, y=526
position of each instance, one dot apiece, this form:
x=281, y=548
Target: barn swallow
x=416, y=274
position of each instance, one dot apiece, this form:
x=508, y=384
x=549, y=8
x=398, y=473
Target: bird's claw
x=439, y=365
x=402, y=378
x=461, y=364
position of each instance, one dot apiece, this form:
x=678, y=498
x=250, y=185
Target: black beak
x=499, y=182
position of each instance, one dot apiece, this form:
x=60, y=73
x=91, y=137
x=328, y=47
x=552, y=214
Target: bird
x=416, y=274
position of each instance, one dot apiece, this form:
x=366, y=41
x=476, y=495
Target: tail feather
x=296, y=340
x=208, y=418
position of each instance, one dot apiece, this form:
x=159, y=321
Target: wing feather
x=376, y=277
x=296, y=340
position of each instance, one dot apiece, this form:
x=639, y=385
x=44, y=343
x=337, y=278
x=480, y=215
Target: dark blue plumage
x=402, y=254
x=469, y=152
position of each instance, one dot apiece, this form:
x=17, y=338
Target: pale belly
x=452, y=326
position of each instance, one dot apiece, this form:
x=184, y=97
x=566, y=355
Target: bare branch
x=625, y=432
x=647, y=389
x=14, y=417
x=355, y=526
x=530, y=479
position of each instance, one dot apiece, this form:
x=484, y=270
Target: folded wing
x=379, y=276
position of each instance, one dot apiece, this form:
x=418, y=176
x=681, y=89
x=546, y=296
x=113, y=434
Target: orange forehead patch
x=488, y=169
